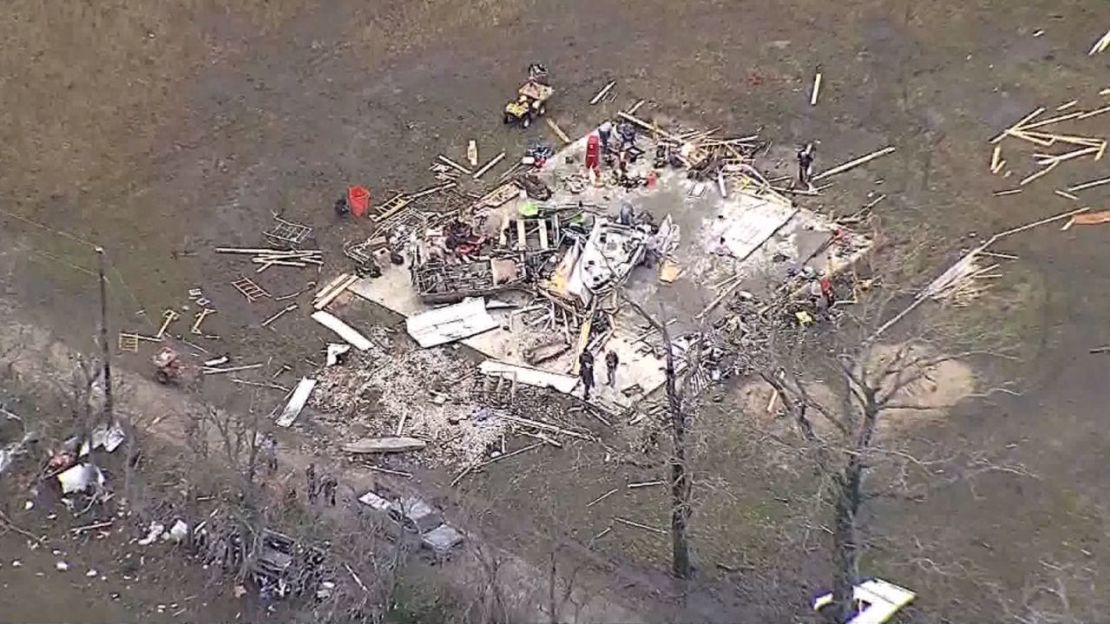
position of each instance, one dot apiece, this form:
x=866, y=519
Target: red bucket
x=358, y=198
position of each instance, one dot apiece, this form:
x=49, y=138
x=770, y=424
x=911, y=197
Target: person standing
x=310, y=478
x=611, y=363
x=627, y=133
x=626, y=215
x=586, y=373
x=805, y=165
x=605, y=132
x=827, y=291
x=328, y=487
x=270, y=450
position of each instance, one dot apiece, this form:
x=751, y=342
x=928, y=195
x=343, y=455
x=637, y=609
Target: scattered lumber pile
x=277, y=257
x=1038, y=131
x=332, y=290
x=708, y=157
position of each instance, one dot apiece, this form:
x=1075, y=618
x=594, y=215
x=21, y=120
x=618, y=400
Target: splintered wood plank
x=543, y=234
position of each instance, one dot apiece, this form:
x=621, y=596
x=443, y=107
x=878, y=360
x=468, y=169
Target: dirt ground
x=161, y=130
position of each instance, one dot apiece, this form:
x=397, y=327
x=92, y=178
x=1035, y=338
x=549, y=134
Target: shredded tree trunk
x=845, y=544
x=849, y=495
x=680, y=475
x=680, y=478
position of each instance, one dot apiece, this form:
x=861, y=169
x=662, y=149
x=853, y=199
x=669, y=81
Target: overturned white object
x=877, y=601
x=334, y=351
x=442, y=539
x=529, y=376
x=108, y=438
x=375, y=502
x=80, y=478
x=610, y=254
x=345, y=331
x=177, y=533
x=296, y=402
x=450, y=323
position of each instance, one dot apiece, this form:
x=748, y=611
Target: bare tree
x=681, y=397
x=846, y=393
x=238, y=437
x=82, y=392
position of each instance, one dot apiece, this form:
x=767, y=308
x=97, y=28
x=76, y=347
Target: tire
x=508, y=119
x=526, y=121
x=543, y=110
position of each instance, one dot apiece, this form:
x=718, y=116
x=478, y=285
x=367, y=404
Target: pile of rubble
x=406, y=394
x=539, y=270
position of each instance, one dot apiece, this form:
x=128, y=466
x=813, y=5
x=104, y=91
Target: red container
x=593, y=151
x=358, y=198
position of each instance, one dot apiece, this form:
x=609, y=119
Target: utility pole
x=105, y=351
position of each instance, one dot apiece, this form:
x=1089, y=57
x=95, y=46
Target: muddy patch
x=926, y=387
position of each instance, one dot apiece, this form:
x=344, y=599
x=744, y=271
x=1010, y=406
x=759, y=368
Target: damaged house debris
x=537, y=270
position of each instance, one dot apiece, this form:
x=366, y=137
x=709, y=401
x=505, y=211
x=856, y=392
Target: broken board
x=296, y=402
x=450, y=323
x=345, y=331
x=384, y=445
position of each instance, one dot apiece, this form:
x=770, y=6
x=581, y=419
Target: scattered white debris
x=156, y=529
x=394, y=444
x=369, y=398
x=178, y=532
x=80, y=478
x=91, y=573
x=61, y=566
x=878, y=600
x=28, y=505
x=529, y=376
x=325, y=590
x=108, y=438
x=335, y=350
x=450, y=323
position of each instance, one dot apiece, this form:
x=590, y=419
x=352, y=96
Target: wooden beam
x=645, y=125
x=454, y=165
x=854, y=163
x=1027, y=118
x=486, y=167
x=603, y=92
x=557, y=130
x=1087, y=185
